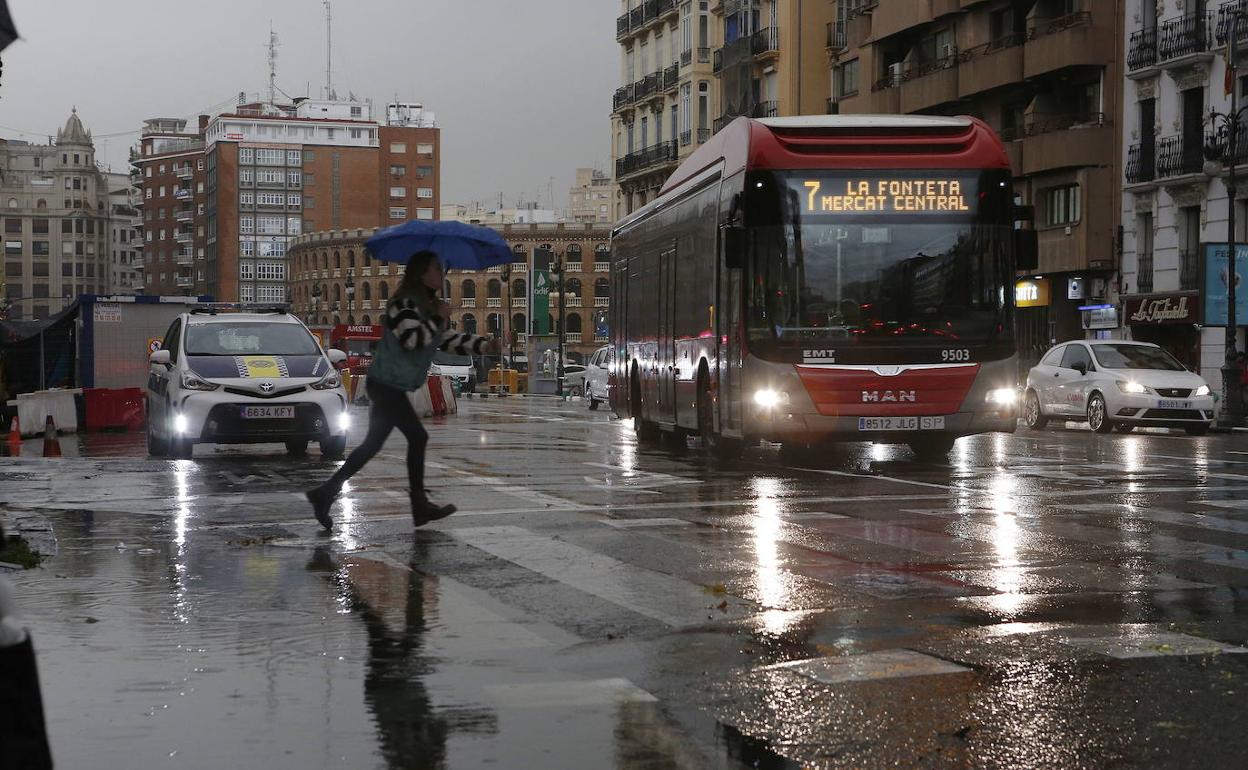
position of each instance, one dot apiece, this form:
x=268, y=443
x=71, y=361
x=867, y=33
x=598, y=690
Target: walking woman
x=416, y=322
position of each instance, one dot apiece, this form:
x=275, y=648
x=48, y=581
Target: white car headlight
x=192, y=381
x=344, y=421
x=1002, y=396
x=180, y=424
x=767, y=398
x=328, y=382
x=1203, y=390
x=1131, y=387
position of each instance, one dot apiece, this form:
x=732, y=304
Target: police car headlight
x=191, y=381
x=1203, y=390
x=1002, y=396
x=329, y=382
x=767, y=398
x=1131, y=387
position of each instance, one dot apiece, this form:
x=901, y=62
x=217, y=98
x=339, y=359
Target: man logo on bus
x=889, y=396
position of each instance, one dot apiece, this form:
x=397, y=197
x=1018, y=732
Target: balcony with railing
x=1052, y=142
x=931, y=83
x=572, y=300
x=647, y=159
x=183, y=172
x=836, y=36
x=602, y=267
x=519, y=267
x=493, y=301
x=686, y=138
x=602, y=301
x=1141, y=50
x=1074, y=39
x=732, y=54
x=768, y=109
x=1180, y=155
x=183, y=193
x=573, y=337
x=671, y=77
x=468, y=302
x=1184, y=39
x=648, y=86
x=686, y=57
x=991, y=65
x=1226, y=13
x=184, y=282
x=184, y=215
x=184, y=258
x=184, y=236
x=520, y=302
x=765, y=43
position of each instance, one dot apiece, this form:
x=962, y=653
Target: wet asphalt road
x=1043, y=600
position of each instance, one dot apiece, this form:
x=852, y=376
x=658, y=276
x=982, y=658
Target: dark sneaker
x=423, y=513
x=321, y=500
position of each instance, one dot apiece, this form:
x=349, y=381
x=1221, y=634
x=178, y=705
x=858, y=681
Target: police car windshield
x=248, y=339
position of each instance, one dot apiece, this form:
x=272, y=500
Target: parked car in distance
x=1116, y=385
x=596, y=378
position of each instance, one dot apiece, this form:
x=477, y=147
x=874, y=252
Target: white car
x=574, y=379
x=457, y=367
x=244, y=378
x=596, y=378
x=1116, y=385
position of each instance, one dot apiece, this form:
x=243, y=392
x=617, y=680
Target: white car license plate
x=1164, y=404
x=268, y=412
x=901, y=423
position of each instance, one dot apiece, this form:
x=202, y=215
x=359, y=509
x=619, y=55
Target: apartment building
x=662, y=110
x=222, y=204
x=1046, y=74
x=1175, y=207
x=56, y=222
x=334, y=281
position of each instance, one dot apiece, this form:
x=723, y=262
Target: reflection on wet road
x=1054, y=599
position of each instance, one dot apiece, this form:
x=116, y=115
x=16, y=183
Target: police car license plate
x=268, y=412
x=901, y=423
x=1164, y=404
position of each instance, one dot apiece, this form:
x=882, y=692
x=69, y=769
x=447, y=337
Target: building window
x=1144, y=253
x=398, y=148
x=424, y=149
x=294, y=157
x=424, y=213
x=270, y=199
x=246, y=155
x=398, y=192
x=269, y=176
x=1061, y=205
x=398, y=170
x=294, y=178
x=293, y=200
x=246, y=176
x=199, y=164
x=246, y=225
x=246, y=199
x=1189, y=248
x=424, y=192
x=847, y=79
x=246, y=248
x=398, y=212
x=268, y=156
x=270, y=225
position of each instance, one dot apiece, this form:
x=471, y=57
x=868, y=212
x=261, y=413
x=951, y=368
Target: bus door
x=667, y=343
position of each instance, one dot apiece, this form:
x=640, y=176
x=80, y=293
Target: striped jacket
x=405, y=354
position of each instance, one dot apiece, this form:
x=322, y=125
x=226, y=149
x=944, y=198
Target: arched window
x=573, y=286
x=519, y=288
x=602, y=253
x=385, y=290
x=368, y=290
x=41, y=204
x=337, y=260
x=351, y=320
x=469, y=288
x=519, y=253
x=602, y=288
x=446, y=288
x=492, y=323
x=350, y=259
x=519, y=324
x=495, y=288
x=367, y=259
x=337, y=319
x=470, y=323
x=337, y=292
x=366, y=321
x=574, y=253
x=324, y=260
x=324, y=320
x=574, y=323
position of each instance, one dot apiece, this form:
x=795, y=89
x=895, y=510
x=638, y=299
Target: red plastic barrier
x=114, y=408
x=435, y=395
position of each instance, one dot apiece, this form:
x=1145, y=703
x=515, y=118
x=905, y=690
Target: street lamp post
x=316, y=301
x=350, y=293
x=1222, y=150
x=506, y=326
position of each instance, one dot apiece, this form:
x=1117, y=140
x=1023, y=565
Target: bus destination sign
x=886, y=196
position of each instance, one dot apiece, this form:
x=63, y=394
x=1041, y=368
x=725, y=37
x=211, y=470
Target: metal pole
x=1233, y=409
x=559, y=363
x=43, y=365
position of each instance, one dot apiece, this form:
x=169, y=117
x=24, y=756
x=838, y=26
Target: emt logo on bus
x=885, y=195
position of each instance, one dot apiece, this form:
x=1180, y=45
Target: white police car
x=244, y=378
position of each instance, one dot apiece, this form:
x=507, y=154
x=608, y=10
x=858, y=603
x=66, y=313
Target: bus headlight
x=1002, y=396
x=768, y=398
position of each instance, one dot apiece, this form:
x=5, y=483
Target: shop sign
x=1153, y=309
x=1032, y=292
x=1216, y=283
x=1100, y=317
x=1075, y=288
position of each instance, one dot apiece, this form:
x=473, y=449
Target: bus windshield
x=873, y=260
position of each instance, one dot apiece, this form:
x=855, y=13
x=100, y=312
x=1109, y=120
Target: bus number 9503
x=955, y=354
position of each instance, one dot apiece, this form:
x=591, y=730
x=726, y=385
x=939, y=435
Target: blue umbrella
x=458, y=245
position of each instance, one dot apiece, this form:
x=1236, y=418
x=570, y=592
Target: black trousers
x=390, y=409
x=23, y=736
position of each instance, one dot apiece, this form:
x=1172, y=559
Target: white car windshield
x=248, y=339
x=450, y=359
x=1135, y=357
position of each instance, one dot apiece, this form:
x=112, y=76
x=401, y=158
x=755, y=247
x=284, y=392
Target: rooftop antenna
x=272, y=65
x=329, y=47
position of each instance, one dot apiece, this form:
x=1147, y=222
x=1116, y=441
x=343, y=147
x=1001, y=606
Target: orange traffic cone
x=15, y=438
x=51, y=445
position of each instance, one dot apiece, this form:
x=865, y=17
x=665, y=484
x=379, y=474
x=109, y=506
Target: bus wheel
x=932, y=448
x=719, y=447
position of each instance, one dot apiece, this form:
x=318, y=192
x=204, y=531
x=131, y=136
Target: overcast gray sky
x=521, y=90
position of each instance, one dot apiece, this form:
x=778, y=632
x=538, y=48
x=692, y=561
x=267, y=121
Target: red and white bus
x=809, y=279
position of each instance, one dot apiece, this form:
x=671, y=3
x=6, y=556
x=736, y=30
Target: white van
x=596, y=378
x=458, y=368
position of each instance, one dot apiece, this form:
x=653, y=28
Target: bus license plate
x=268, y=412
x=901, y=423
x=1164, y=404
